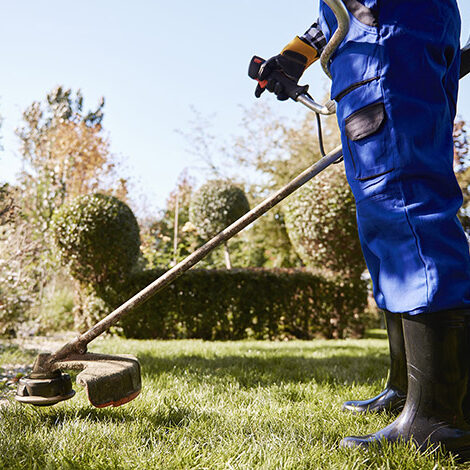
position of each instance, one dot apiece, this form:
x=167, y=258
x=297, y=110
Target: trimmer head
x=108, y=380
x=44, y=389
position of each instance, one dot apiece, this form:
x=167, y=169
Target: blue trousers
x=395, y=80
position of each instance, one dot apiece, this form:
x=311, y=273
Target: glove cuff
x=301, y=47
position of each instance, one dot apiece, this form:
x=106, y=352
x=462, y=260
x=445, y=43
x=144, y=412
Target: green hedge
x=243, y=303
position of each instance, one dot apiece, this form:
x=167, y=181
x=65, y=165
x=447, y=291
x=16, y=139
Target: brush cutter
x=115, y=380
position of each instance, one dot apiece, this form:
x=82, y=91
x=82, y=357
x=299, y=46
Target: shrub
x=321, y=223
x=91, y=306
x=216, y=205
x=20, y=276
x=16, y=297
x=56, y=311
x=98, y=238
x=235, y=304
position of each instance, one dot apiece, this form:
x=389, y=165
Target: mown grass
x=231, y=405
x=12, y=354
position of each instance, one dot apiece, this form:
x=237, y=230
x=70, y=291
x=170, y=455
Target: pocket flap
x=365, y=121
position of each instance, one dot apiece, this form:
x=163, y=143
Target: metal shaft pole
x=79, y=344
x=175, y=229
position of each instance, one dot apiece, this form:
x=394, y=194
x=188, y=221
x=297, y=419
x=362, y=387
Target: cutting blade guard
x=109, y=380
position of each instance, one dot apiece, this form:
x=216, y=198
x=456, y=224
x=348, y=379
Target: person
x=395, y=82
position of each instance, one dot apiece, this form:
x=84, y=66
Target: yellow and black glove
x=291, y=62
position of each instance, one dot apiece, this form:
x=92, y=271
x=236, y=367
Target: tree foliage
x=97, y=237
x=20, y=274
x=321, y=223
x=273, y=150
x=65, y=153
x=158, y=231
x=271, y=153
x=8, y=194
x=462, y=169
x=216, y=205
x=461, y=144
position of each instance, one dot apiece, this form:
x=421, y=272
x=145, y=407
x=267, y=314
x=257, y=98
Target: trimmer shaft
x=44, y=389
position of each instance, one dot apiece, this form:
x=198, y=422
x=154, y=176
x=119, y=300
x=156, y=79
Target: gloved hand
x=291, y=62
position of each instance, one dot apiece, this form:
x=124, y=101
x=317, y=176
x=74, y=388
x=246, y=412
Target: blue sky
x=152, y=61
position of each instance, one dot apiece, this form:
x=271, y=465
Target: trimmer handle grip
x=255, y=67
x=291, y=88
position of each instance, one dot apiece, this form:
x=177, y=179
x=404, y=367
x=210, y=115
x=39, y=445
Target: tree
x=273, y=151
x=268, y=153
x=462, y=169
x=65, y=153
x=216, y=205
x=321, y=223
x=461, y=144
x=15, y=286
x=98, y=238
x=7, y=203
x=21, y=272
x=158, y=232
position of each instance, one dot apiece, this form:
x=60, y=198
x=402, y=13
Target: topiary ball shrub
x=97, y=237
x=215, y=205
x=321, y=224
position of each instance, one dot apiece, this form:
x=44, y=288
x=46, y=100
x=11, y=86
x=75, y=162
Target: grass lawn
x=222, y=405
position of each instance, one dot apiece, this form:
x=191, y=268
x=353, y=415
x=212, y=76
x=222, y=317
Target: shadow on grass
x=254, y=367
x=376, y=334
x=252, y=372
x=170, y=416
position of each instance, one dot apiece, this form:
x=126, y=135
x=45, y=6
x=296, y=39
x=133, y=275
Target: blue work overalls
x=395, y=80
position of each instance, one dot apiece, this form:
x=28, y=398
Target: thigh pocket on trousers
x=366, y=135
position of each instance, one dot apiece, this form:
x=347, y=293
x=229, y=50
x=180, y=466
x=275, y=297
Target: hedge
x=243, y=303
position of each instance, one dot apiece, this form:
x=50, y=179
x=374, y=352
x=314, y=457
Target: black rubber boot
x=437, y=350
x=394, y=395
x=466, y=400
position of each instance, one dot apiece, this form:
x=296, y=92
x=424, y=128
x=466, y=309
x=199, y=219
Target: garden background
x=130, y=136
